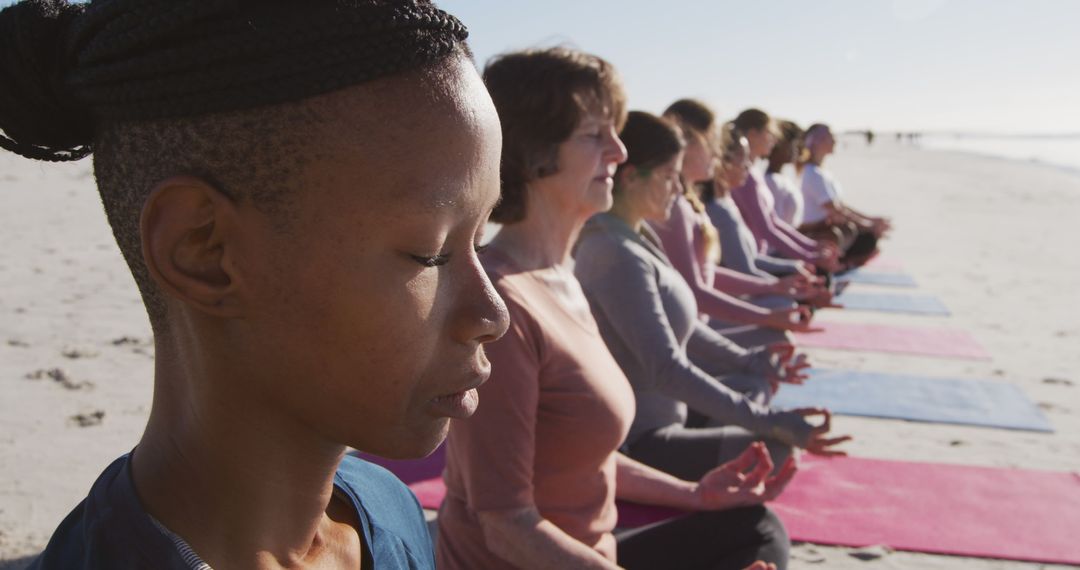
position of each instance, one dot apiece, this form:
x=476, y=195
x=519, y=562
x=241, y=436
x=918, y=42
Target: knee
x=779, y=452
x=772, y=529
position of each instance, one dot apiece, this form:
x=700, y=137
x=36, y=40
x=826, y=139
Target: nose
x=482, y=315
x=615, y=150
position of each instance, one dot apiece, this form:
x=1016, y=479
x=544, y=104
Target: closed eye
x=433, y=261
x=441, y=259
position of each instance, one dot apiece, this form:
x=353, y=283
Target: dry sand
x=990, y=237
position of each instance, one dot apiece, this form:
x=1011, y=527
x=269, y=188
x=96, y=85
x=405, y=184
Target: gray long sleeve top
x=740, y=251
x=648, y=318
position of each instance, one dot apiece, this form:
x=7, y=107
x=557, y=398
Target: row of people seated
x=620, y=375
x=304, y=243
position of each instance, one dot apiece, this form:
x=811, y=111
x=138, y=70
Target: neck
x=625, y=211
x=545, y=238
x=243, y=488
x=774, y=167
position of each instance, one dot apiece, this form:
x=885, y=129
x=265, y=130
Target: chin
x=411, y=443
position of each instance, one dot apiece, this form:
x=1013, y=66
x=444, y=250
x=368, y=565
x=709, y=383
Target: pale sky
x=983, y=65
x=975, y=65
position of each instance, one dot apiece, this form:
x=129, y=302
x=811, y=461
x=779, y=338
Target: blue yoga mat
x=868, y=277
x=893, y=303
x=917, y=398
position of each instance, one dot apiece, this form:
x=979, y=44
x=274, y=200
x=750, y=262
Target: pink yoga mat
x=924, y=507
x=985, y=512
x=925, y=341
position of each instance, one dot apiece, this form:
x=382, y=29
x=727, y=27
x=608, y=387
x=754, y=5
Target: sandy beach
x=988, y=236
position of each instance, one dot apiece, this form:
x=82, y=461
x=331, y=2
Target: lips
x=459, y=405
x=605, y=176
x=463, y=403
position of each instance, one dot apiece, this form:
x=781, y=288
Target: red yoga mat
x=923, y=341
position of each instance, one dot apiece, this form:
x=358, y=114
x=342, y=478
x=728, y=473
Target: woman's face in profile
x=586, y=166
x=737, y=168
x=698, y=163
x=761, y=141
x=375, y=303
x=661, y=187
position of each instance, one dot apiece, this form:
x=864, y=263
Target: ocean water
x=1059, y=151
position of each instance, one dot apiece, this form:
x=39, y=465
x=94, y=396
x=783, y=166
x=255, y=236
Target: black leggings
x=714, y=540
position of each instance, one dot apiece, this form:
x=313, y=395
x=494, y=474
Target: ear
x=185, y=227
x=629, y=172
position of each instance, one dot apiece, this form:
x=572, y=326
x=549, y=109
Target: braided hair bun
x=66, y=69
x=38, y=118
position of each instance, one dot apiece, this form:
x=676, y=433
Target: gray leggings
x=690, y=452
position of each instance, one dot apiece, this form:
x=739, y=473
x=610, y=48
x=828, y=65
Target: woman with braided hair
x=249, y=156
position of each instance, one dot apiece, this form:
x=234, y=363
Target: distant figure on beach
x=532, y=478
x=298, y=189
x=826, y=216
x=869, y=137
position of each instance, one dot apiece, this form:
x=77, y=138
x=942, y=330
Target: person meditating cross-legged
x=729, y=299
x=298, y=189
x=532, y=478
x=826, y=214
x=647, y=316
x=755, y=201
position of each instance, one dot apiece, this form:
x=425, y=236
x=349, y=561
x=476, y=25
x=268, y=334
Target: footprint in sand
x=871, y=552
x=74, y=352
x=60, y=377
x=17, y=343
x=128, y=341
x=90, y=419
x=147, y=352
x=808, y=555
x=1058, y=381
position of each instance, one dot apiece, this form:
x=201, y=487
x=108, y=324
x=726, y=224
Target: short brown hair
x=696, y=120
x=756, y=120
x=540, y=96
x=650, y=141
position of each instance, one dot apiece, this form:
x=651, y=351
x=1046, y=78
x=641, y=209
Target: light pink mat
x=924, y=341
x=884, y=263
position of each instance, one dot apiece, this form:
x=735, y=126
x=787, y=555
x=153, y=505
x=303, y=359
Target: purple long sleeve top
x=769, y=230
